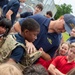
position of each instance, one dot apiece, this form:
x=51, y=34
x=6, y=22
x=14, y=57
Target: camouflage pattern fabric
x=8, y=44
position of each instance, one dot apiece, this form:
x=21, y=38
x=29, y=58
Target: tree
x=63, y=9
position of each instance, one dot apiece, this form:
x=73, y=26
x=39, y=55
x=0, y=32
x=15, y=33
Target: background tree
x=63, y=9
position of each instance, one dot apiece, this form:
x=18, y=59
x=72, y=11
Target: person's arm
x=54, y=71
x=16, y=55
x=8, y=14
x=17, y=27
x=30, y=47
x=45, y=55
x=18, y=15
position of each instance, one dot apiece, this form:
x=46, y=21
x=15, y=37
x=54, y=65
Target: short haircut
x=30, y=24
x=40, y=6
x=49, y=13
x=6, y=23
x=36, y=69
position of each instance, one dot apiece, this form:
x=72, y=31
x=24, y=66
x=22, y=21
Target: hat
x=69, y=22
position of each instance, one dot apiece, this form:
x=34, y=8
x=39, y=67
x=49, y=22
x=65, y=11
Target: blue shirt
x=19, y=51
x=48, y=41
x=3, y=2
x=12, y=5
x=26, y=14
x=71, y=40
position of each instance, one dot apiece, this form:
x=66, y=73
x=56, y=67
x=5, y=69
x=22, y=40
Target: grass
x=65, y=36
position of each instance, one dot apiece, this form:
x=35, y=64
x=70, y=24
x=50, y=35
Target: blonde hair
x=9, y=69
x=72, y=45
x=71, y=72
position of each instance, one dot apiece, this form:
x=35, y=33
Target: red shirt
x=60, y=62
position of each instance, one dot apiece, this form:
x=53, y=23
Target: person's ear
x=26, y=31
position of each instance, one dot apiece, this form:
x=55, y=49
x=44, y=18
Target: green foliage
x=63, y=9
x=65, y=36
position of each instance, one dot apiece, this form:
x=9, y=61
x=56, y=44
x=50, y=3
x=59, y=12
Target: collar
x=47, y=22
x=20, y=38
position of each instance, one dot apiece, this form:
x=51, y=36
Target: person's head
x=22, y=1
x=49, y=14
x=5, y=26
x=35, y=70
x=71, y=72
x=71, y=52
x=9, y=69
x=38, y=9
x=72, y=34
x=64, y=23
x=63, y=49
x=30, y=29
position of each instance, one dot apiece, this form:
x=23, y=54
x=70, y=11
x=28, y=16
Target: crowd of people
x=35, y=47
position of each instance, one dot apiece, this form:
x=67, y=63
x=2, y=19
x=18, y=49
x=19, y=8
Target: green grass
x=65, y=36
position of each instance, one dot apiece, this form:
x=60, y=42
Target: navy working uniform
x=12, y=5
x=3, y=2
x=71, y=40
x=26, y=14
x=19, y=51
x=48, y=41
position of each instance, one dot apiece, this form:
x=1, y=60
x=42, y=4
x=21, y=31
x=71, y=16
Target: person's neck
x=51, y=26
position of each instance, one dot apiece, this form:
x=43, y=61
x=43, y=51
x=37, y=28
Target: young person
x=72, y=36
x=61, y=65
x=5, y=26
x=63, y=49
x=38, y=9
x=49, y=14
x=50, y=34
x=13, y=50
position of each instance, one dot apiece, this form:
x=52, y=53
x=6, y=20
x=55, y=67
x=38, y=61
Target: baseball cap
x=69, y=22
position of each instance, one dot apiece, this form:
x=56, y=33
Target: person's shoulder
x=14, y=2
x=61, y=57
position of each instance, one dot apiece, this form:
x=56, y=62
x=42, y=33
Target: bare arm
x=8, y=14
x=17, y=27
x=45, y=56
x=11, y=61
x=54, y=71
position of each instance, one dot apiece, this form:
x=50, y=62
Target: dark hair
x=49, y=13
x=5, y=23
x=35, y=70
x=30, y=24
x=40, y=6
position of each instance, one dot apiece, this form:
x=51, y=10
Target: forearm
x=8, y=14
x=51, y=70
x=46, y=56
x=54, y=71
x=58, y=72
